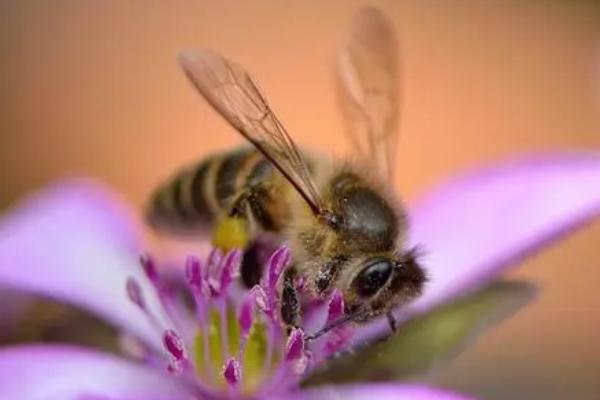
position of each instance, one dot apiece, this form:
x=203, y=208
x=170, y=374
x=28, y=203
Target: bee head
x=383, y=282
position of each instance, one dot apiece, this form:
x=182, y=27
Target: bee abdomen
x=196, y=196
x=183, y=202
x=228, y=180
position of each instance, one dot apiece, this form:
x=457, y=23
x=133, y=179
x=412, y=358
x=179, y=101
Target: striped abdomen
x=196, y=196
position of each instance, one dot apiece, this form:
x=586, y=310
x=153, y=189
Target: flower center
x=232, y=341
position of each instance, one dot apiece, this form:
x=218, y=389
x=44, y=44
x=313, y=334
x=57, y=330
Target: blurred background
x=93, y=88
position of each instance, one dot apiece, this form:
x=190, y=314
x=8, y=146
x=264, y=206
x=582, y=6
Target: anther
x=294, y=348
x=229, y=269
x=134, y=292
x=173, y=344
x=339, y=335
x=214, y=261
x=276, y=264
x=246, y=315
x=336, y=306
x=232, y=372
x=149, y=267
x=260, y=298
x=295, y=354
x=193, y=272
x=212, y=271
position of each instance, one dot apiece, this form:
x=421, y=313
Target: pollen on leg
x=231, y=233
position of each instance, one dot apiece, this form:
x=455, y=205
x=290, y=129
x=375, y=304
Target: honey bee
x=342, y=221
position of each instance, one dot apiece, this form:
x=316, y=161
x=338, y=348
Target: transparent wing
x=367, y=78
x=233, y=93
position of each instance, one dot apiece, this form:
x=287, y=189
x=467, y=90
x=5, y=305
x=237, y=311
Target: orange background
x=92, y=87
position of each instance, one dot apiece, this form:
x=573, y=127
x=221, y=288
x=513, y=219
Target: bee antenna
x=334, y=324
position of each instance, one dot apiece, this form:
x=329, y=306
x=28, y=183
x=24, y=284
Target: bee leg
x=233, y=229
x=328, y=273
x=391, y=321
x=290, y=301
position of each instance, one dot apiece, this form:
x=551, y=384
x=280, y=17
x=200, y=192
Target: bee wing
x=233, y=93
x=367, y=80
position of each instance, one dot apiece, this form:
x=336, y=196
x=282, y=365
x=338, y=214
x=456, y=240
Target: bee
x=344, y=225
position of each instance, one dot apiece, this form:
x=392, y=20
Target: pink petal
x=73, y=242
x=387, y=391
x=61, y=372
x=476, y=226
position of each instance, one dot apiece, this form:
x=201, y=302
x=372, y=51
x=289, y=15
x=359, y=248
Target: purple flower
x=75, y=243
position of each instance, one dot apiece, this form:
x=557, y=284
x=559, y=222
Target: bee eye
x=373, y=277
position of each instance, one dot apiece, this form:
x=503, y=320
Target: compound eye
x=373, y=277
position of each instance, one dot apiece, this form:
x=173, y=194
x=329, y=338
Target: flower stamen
x=134, y=292
x=232, y=372
x=236, y=346
x=173, y=344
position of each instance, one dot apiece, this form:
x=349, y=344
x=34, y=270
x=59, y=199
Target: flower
x=75, y=243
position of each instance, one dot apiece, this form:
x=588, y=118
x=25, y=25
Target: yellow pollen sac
x=231, y=233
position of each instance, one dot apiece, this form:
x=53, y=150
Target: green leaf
x=424, y=341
